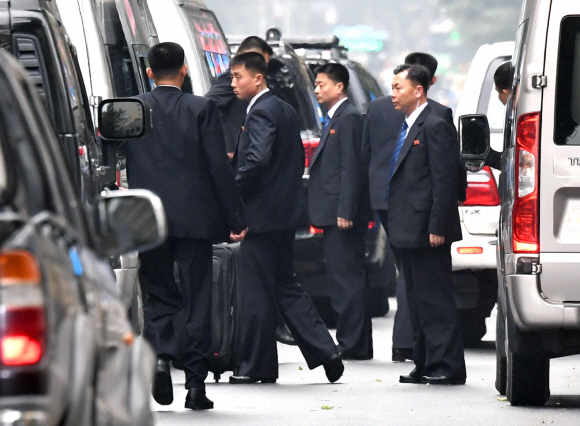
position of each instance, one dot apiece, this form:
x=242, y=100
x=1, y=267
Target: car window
x=567, y=126
x=123, y=72
x=289, y=83
x=369, y=85
x=209, y=38
x=489, y=103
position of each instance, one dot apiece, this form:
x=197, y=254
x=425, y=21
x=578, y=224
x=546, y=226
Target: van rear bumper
x=532, y=311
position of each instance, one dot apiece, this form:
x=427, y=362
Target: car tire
x=528, y=367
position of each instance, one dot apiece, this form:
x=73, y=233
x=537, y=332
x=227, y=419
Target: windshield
x=209, y=39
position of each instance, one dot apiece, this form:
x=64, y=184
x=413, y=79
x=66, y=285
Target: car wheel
x=528, y=370
x=500, y=354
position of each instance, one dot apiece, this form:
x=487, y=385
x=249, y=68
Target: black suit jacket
x=184, y=162
x=422, y=194
x=270, y=164
x=383, y=123
x=338, y=186
x=232, y=110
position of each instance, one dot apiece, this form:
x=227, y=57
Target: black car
x=67, y=352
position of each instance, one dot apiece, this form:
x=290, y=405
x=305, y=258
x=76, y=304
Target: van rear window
x=567, y=128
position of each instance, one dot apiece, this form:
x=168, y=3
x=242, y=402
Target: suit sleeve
x=221, y=92
x=494, y=159
x=351, y=168
x=443, y=169
x=262, y=133
x=212, y=138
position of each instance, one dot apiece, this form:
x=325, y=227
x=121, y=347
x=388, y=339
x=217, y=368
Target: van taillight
x=481, y=189
x=310, y=146
x=526, y=212
x=22, y=314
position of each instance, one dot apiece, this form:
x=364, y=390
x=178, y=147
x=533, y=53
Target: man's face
x=405, y=94
x=246, y=84
x=502, y=95
x=327, y=91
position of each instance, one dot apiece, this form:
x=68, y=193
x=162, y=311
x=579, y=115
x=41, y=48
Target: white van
x=539, y=227
x=196, y=28
x=474, y=257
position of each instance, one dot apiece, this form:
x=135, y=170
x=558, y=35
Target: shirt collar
x=255, y=98
x=169, y=85
x=332, y=110
x=414, y=115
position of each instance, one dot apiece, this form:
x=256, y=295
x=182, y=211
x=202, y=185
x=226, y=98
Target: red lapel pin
x=332, y=131
x=416, y=142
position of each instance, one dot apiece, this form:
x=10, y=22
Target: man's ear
x=259, y=79
x=340, y=86
x=419, y=90
x=433, y=80
x=150, y=73
x=183, y=71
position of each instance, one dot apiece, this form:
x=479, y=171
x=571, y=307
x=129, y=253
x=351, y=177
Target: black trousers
x=344, y=251
x=165, y=301
x=402, y=326
x=437, y=340
x=267, y=279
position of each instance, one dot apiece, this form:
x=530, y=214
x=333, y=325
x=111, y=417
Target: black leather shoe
x=162, y=386
x=402, y=355
x=333, y=367
x=196, y=400
x=407, y=378
x=247, y=380
x=283, y=335
x=442, y=380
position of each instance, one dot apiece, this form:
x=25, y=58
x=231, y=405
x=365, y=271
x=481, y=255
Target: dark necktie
x=396, y=152
x=326, y=121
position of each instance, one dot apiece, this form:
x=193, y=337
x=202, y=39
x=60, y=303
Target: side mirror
x=131, y=220
x=124, y=118
x=474, y=141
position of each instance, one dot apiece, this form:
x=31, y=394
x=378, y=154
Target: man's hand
x=238, y=237
x=436, y=240
x=343, y=223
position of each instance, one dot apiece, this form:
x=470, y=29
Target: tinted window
x=123, y=72
x=517, y=63
x=209, y=38
x=489, y=103
x=290, y=84
x=568, y=84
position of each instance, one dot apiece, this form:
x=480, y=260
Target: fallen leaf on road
x=326, y=407
x=299, y=368
x=378, y=380
x=502, y=398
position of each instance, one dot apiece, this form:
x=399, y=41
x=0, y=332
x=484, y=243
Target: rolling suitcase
x=224, y=311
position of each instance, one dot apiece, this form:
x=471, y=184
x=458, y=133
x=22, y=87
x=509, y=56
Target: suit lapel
x=264, y=96
x=326, y=131
x=409, y=140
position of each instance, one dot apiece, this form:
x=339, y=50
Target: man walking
x=184, y=162
x=416, y=194
x=270, y=162
x=338, y=202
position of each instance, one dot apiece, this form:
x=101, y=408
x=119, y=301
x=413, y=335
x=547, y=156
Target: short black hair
x=424, y=59
x=255, y=42
x=336, y=72
x=166, y=59
x=503, y=76
x=418, y=74
x=252, y=61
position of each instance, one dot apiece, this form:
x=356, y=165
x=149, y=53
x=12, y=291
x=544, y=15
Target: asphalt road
x=369, y=394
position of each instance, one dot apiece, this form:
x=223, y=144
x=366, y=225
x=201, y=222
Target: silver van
x=539, y=227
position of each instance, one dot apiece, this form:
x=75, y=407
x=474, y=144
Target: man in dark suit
x=413, y=183
x=270, y=163
x=184, y=162
x=338, y=202
x=402, y=327
x=233, y=110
